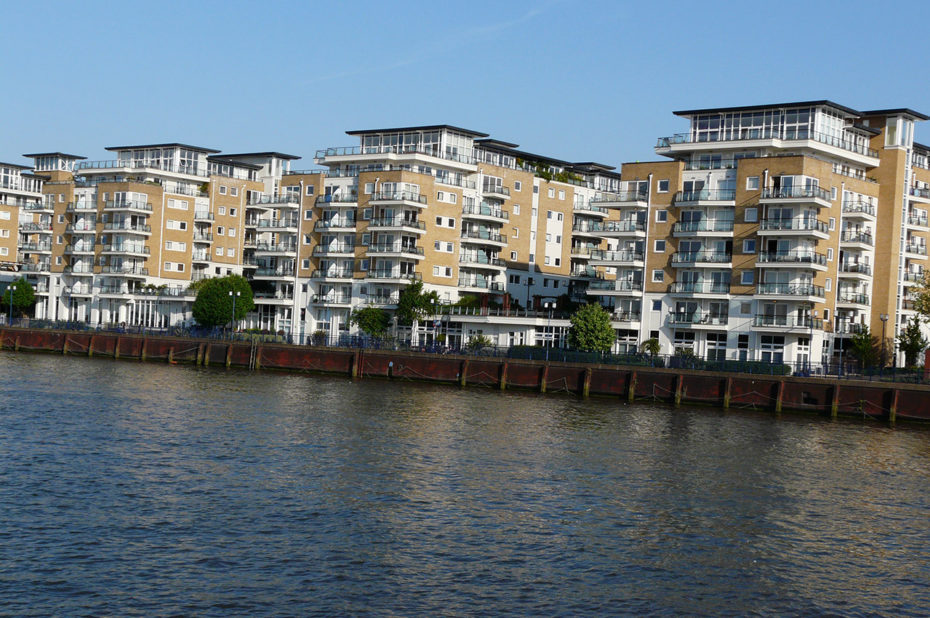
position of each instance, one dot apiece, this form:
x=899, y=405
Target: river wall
x=829, y=397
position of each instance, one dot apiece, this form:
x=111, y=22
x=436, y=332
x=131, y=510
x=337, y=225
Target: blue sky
x=574, y=80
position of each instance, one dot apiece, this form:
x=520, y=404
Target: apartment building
x=768, y=232
x=774, y=233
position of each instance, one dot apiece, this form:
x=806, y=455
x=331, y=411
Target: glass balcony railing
x=794, y=225
x=486, y=211
x=787, y=134
x=484, y=235
x=332, y=273
x=854, y=208
x=691, y=257
x=700, y=287
x=617, y=256
x=791, y=193
x=705, y=225
x=787, y=257
x=400, y=222
x=859, y=237
x=790, y=289
x=620, y=197
x=398, y=196
x=853, y=297
x=787, y=321
x=617, y=286
x=857, y=268
x=706, y=195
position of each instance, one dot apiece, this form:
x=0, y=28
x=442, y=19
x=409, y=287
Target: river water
x=132, y=488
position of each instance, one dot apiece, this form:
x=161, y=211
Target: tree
x=912, y=342
x=862, y=347
x=478, y=343
x=591, y=330
x=214, y=305
x=414, y=304
x=921, y=295
x=24, y=297
x=373, y=321
x=651, y=347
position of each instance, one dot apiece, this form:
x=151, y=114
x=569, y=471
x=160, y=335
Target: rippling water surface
x=138, y=488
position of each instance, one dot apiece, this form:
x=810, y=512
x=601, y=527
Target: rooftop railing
x=786, y=134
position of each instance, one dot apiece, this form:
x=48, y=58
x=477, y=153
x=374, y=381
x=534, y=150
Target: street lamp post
x=881, y=370
x=234, y=296
x=12, y=289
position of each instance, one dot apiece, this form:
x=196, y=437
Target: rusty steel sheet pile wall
x=884, y=400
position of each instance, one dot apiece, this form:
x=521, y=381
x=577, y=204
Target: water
x=149, y=489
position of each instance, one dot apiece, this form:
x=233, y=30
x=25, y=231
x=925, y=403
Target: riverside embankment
x=829, y=397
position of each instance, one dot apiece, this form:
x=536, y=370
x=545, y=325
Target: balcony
x=589, y=209
x=39, y=267
x=394, y=153
x=127, y=228
x=128, y=206
x=81, y=207
x=335, y=224
x=794, y=227
x=397, y=223
x=791, y=291
x=404, y=198
x=485, y=211
x=858, y=210
x=683, y=142
x=699, y=288
x=335, y=248
x=696, y=319
x=855, y=269
x=125, y=271
x=481, y=283
x=200, y=256
x=912, y=278
x=600, y=257
x=495, y=192
x=337, y=200
x=35, y=247
x=786, y=323
x=277, y=297
x=915, y=250
x=288, y=199
x=916, y=220
x=274, y=273
x=622, y=199
x=481, y=260
x=392, y=276
x=853, y=298
x=395, y=249
x=78, y=290
x=341, y=274
x=625, y=316
x=81, y=270
x=620, y=229
x=38, y=207
x=126, y=249
x=696, y=258
x=812, y=196
x=484, y=237
x=81, y=248
x=289, y=224
x=382, y=300
x=848, y=328
x=609, y=287
x=276, y=249
x=705, y=197
x=203, y=215
x=861, y=240
x=333, y=298
x=205, y=237
x=704, y=227
x=35, y=227
x=82, y=228
x=919, y=195
x=802, y=259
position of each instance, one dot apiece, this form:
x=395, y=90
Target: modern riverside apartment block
x=770, y=232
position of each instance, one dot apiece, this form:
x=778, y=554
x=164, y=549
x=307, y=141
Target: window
x=366, y=239
x=513, y=256
x=517, y=185
x=535, y=189
x=659, y=246
x=232, y=232
x=832, y=223
x=61, y=218
x=173, y=245
x=558, y=262
x=548, y=214
x=234, y=191
x=548, y=237
x=559, y=216
x=826, y=315
x=534, y=212
x=4, y=233
x=308, y=239
x=369, y=188
x=516, y=232
x=745, y=308
x=230, y=252
x=532, y=258
x=60, y=240
x=661, y=216
x=833, y=194
x=561, y=194
x=658, y=276
x=663, y=186
x=232, y=212
x=657, y=305
x=830, y=254
x=61, y=198
x=221, y=210
x=551, y=192
x=752, y=183
x=308, y=214
x=310, y=189
x=515, y=279
x=219, y=251
x=222, y=190
x=363, y=265
x=445, y=247
x=516, y=209
x=220, y=230
x=442, y=271
x=747, y=277
x=546, y=260
x=4, y=251
x=366, y=214
x=305, y=263
x=751, y=215
x=558, y=239
x=749, y=246
x=828, y=286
